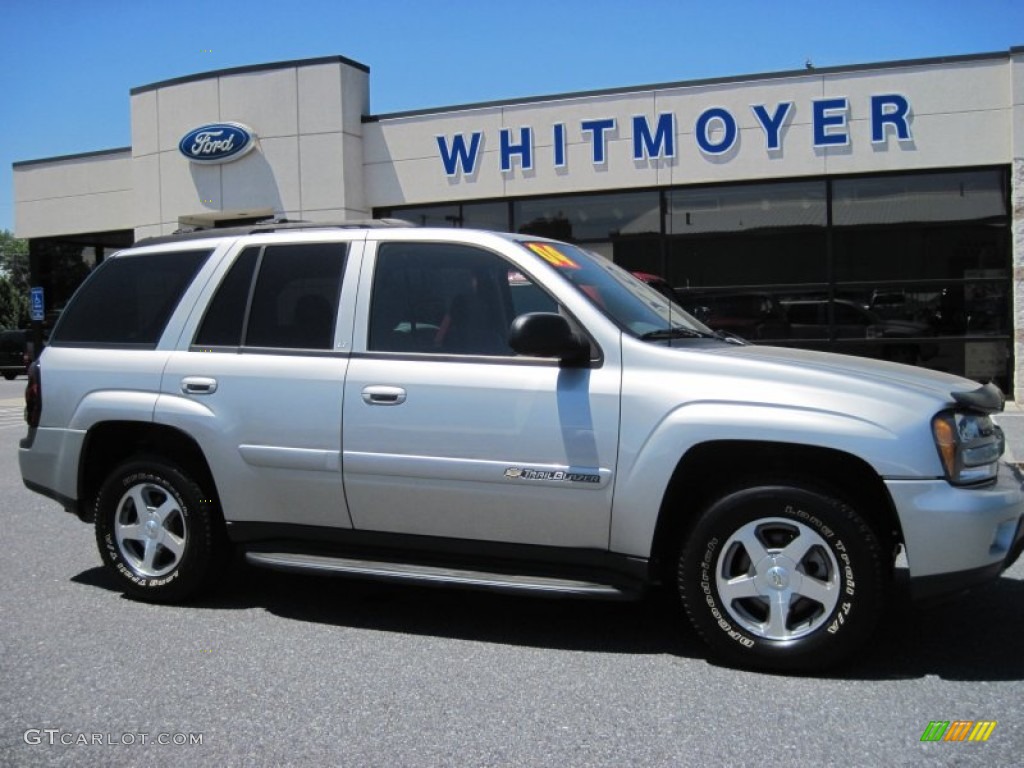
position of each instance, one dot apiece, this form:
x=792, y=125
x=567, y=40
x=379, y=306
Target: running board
x=435, y=575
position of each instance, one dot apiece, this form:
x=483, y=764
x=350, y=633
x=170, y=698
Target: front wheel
x=159, y=531
x=782, y=577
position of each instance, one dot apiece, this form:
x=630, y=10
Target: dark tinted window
x=295, y=301
x=589, y=217
x=128, y=300
x=924, y=197
x=13, y=339
x=475, y=215
x=921, y=226
x=750, y=234
x=922, y=251
x=225, y=318
x=429, y=215
x=748, y=259
x=485, y=216
x=746, y=208
x=449, y=299
x=12, y=348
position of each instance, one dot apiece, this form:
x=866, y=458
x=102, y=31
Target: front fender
x=648, y=461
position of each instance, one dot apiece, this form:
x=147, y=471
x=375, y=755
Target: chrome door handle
x=382, y=395
x=198, y=385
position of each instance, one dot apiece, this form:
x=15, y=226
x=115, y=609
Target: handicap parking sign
x=38, y=308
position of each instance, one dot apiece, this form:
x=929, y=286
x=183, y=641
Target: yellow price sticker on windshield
x=552, y=255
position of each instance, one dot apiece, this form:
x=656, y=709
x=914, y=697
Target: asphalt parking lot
x=280, y=669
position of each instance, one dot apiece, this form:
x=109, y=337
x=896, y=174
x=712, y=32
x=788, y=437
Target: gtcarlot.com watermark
x=59, y=737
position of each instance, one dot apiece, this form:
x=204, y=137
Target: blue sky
x=67, y=66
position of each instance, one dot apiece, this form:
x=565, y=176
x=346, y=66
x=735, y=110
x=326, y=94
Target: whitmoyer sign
x=716, y=132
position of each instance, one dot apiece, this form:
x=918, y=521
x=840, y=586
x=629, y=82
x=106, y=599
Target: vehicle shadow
x=971, y=637
x=974, y=636
x=648, y=626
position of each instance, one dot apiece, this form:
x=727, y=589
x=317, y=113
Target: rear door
x=261, y=383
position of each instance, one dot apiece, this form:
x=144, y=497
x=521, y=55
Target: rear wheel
x=782, y=577
x=159, y=531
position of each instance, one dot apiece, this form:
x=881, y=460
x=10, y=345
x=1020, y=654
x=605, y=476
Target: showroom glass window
x=907, y=267
x=740, y=256
x=749, y=234
x=928, y=255
x=492, y=216
x=622, y=226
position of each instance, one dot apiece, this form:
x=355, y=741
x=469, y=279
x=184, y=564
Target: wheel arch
x=110, y=443
x=714, y=469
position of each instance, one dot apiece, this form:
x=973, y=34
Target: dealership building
x=875, y=209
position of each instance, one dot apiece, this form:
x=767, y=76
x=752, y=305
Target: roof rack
x=271, y=225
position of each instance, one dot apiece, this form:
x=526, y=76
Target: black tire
x=808, y=555
x=10, y=376
x=173, y=551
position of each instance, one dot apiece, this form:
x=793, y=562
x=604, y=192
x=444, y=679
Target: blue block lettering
x=597, y=129
x=772, y=124
x=661, y=144
x=559, y=143
x=830, y=114
x=727, y=121
x=459, y=154
x=890, y=109
x=524, y=149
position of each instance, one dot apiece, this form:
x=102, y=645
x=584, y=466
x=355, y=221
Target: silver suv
x=502, y=412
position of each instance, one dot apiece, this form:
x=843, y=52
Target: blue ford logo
x=217, y=142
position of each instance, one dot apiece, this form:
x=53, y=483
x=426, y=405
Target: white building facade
x=874, y=210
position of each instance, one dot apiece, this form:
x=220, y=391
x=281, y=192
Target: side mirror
x=547, y=334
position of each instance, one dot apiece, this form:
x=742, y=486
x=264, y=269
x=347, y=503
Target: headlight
x=969, y=446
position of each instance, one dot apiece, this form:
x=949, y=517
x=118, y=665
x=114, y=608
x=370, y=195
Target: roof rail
x=271, y=225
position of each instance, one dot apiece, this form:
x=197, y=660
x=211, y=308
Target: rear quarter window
x=127, y=300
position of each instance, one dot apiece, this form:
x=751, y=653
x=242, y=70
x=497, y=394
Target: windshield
x=633, y=305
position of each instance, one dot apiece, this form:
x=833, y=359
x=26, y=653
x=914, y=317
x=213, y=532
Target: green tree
x=14, y=259
x=13, y=306
x=14, y=281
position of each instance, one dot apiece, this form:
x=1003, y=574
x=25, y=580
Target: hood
x=858, y=376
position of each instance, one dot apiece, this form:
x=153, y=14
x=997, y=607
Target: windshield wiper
x=676, y=332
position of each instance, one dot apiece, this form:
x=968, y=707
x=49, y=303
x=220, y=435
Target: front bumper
x=956, y=538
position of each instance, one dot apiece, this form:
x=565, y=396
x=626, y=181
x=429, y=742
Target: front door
x=447, y=433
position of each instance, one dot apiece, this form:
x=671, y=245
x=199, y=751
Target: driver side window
x=447, y=299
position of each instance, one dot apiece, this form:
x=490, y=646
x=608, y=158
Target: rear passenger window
x=292, y=305
x=128, y=300
x=225, y=318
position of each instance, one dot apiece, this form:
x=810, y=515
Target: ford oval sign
x=217, y=142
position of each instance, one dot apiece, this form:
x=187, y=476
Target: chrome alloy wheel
x=778, y=578
x=150, y=530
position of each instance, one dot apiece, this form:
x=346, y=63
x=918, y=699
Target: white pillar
x=1017, y=218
